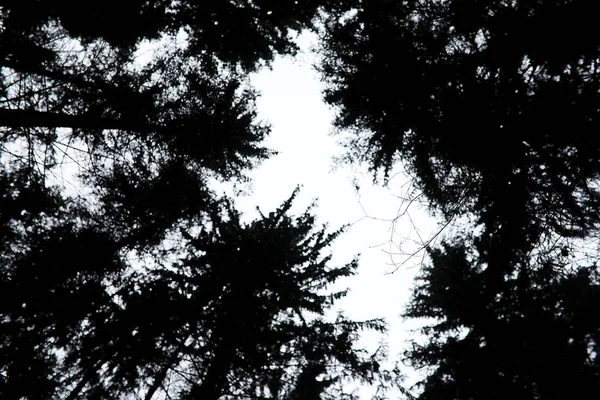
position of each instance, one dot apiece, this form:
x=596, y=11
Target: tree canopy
x=131, y=277
x=492, y=106
x=488, y=109
x=237, y=310
x=245, y=33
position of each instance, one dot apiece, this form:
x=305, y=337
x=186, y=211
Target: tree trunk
x=89, y=374
x=215, y=381
x=31, y=118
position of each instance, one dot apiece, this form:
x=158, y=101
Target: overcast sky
x=301, y=125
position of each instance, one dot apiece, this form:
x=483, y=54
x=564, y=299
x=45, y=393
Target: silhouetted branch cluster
x=123, y=274
x=492, y=107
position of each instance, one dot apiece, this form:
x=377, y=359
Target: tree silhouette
x=132, y=279
x=245, y=33
x=489, y=119
x=133, y=134
x=496, y=118
x=70, y=83
x=535, y=338
x=238, y=313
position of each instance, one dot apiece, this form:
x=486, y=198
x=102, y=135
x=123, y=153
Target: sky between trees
x=138, y=276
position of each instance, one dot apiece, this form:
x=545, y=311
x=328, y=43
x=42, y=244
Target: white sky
x=301, y=125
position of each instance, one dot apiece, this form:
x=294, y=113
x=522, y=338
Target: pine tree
x=239, y=312
x=492, y=107
x=140, y=281
x=70, y=83
x=534, y=338
x=491, y=114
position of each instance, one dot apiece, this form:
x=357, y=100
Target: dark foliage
x=493, y=108
x=239, y=32
x=133, y=131
x=535, y=337
x=129, y=278
x=491, y=111
x=70, y=82
x=237, y=310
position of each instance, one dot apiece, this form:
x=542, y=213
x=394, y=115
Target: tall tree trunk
x=31, y=118
x=162, y=374
x=214, y=383
x=89, y=374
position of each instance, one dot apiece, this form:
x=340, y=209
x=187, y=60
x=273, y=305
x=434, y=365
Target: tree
x=70, y=83
x=495, y=117
x=536, y=338
x=245, y=33
x=133, y=133
x=489, y=116
x=142, y=282
x=238, y=313
x=55, y=274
